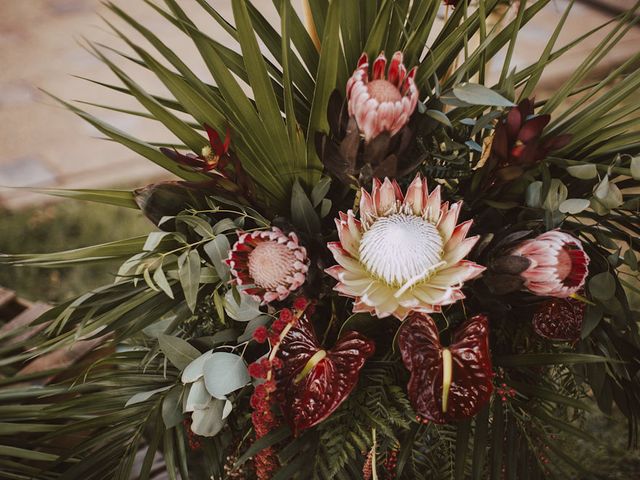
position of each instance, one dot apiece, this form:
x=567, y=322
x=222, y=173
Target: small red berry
x=286, y=315
x=260, y=334
x=257, y=370
x=300, y=304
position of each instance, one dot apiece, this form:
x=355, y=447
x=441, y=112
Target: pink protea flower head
x=405, y=253
x=558, y=264
x=269, y=263
x=381, y=103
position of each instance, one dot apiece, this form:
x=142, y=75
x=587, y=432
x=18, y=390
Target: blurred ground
x=43, y=144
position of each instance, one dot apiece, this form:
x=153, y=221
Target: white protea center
x=401, y=248
x=404, y=254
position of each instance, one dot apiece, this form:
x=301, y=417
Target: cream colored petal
x=457, y=274
x=415, y=196
x=385, y=198
x=349, y=243
x=448, y=222
x=367, y=208
x=432, y=210
x=429, y=295
x=461, y=251
x=459, y=234
x=343, y=258
x=377, y=293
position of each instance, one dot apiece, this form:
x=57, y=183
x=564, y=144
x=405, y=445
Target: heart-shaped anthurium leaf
x=313, y=382
x=465, y=367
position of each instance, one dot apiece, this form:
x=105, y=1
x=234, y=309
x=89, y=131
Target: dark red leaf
x=560, y=319
x=533, y=128
x=310, y=397
x=514, y=122
x=422, y=354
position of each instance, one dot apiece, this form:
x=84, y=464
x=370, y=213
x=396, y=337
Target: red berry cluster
x=505, y=392
x=391, y=463
x=194, y=440
x=263, y=418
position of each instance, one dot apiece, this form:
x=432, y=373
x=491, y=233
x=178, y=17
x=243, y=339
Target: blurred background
x=43, y=51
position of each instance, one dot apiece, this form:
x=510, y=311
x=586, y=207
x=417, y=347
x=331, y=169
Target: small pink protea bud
x=269, y=263
x=381, y=104
x=558, y=264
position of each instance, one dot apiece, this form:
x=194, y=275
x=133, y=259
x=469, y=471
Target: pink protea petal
x=415, y=195
x=355, y=227
x=379, y=66
x=394, y=69
x=363, y=61
x=448, y=221
x=348, y=241
x=432, y=210
x=458, y=235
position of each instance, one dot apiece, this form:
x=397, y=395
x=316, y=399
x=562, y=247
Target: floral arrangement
x=374, y=265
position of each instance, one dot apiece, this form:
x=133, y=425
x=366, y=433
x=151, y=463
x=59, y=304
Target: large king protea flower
x=381, y=104
x=269, y=263
x=405, y=254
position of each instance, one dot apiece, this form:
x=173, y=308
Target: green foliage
x=170, y=300
x=62, y=226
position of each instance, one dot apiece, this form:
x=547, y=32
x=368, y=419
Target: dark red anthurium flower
x=447, y=383
x=560, y=319
x=314, y=382
x=212, y=157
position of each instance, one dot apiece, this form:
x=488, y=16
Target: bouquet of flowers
x=379, y=260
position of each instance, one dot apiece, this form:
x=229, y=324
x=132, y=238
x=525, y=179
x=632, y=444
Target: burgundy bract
x=425, y=357
x=560, y=319
x=314, y=382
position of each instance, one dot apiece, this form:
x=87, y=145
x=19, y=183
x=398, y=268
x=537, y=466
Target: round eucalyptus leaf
x=243, y=311
x=207, y=422
x=583, y=172
x=602, y=286
x=574, y=205
x=198, y=397
x=195, y=369
x=226, y=411
x=224, y=373
x=635, y=167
